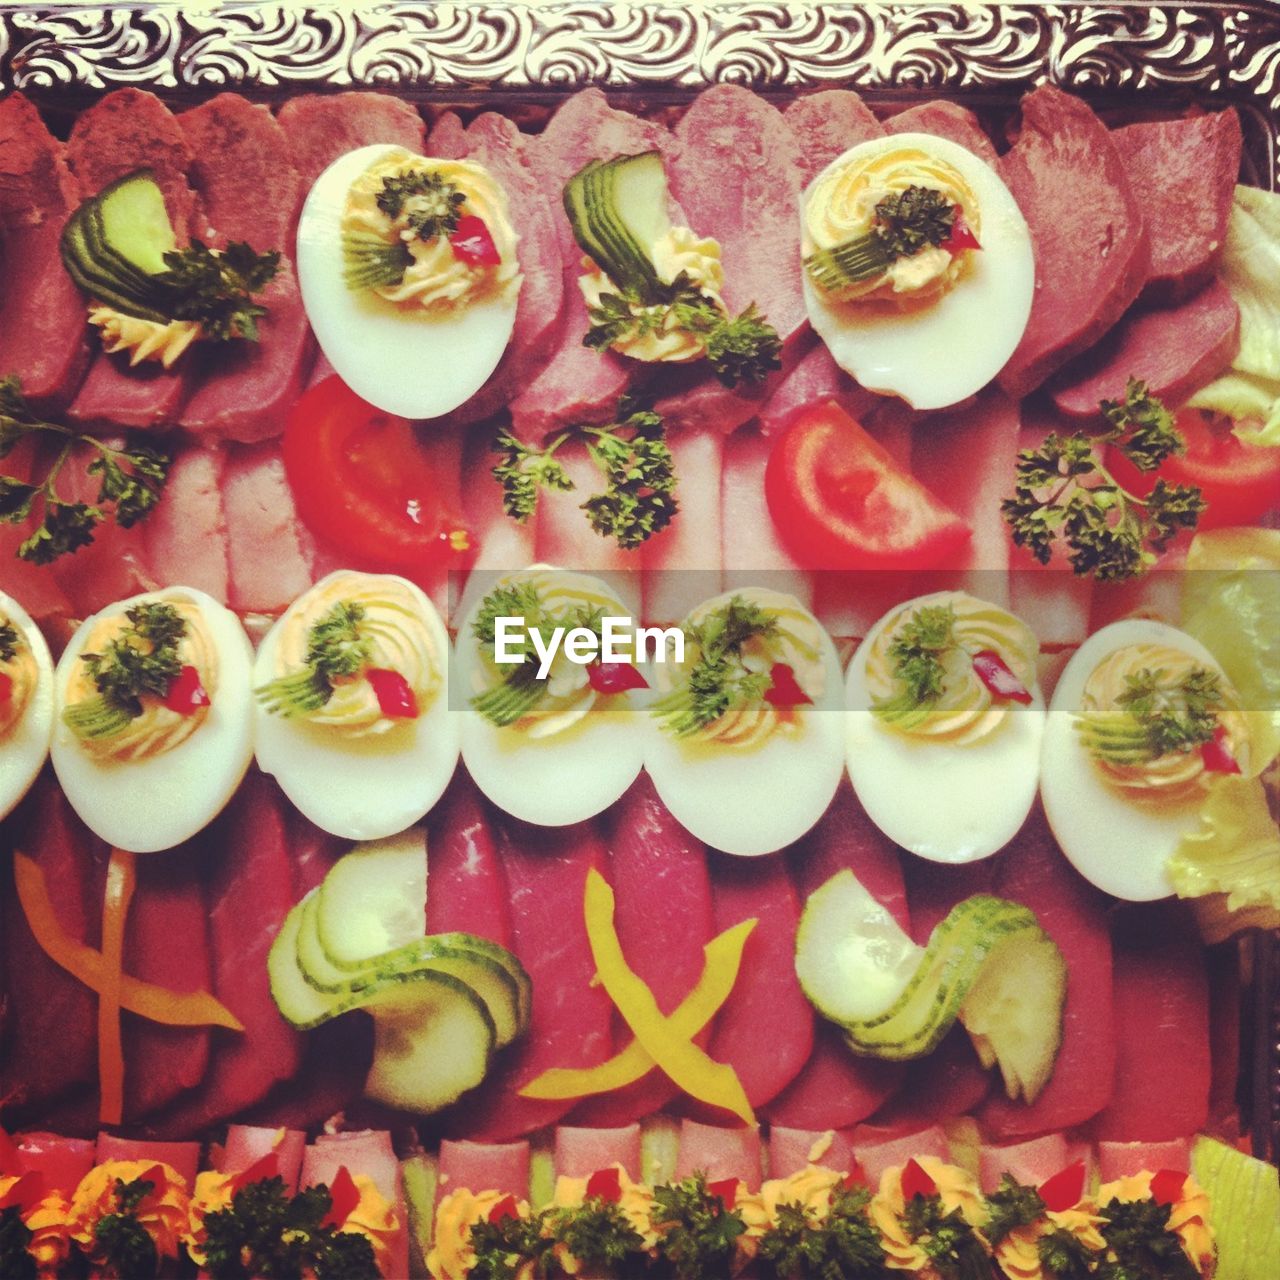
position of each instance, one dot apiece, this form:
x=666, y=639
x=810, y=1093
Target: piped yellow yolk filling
x=956, y=1190
x=21, y=674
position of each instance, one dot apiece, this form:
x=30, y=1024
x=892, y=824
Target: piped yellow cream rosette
x=164, y=1212
x=1188, y=1213
x=451, y=1256
x=956, y=1190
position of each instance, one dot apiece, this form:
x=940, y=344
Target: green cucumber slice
x=433, y=1039
x=501, y=956
x=299, y=1002
x=313, y=961
x=374, y=900
x=134, y=221
x=93, y=272
x=852, y=958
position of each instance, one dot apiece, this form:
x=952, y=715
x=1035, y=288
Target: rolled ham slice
x=580, y=1152
x=877, y=1151
x=1031, y=1162
x=184, y=1157
x=1120, y=1159
x=62, y=1161
x=247, y=1144
x=484, y=1166
x=185, y=537
x=719, y=1153
x=791, y=1150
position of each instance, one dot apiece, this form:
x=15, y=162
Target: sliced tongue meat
x=1087, y=229
x=185, y=536
x=664, y=919
x=42, y=328
x=577, y=384
x=814, y=379
x=243, y=172
x=322, y=127
x=945, y=120
x=826, y=124
x=127, y=130
x=1173, y=349
x=1186, y=170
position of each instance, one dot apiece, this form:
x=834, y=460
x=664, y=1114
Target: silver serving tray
x=1127, y=58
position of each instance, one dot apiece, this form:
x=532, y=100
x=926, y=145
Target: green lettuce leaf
x=1252, y=402
x=1245, y=1198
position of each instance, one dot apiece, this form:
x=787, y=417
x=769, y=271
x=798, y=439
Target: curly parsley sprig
x=842, y=1245
x=917, y=651
x=698, y=1233
x=9, y=640
x=431, y=205
x=131, y=480
x=1062, y=488
x=1157, y=717
x=336, y=650
x=216, y=288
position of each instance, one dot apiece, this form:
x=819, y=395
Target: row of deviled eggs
x=360, y=706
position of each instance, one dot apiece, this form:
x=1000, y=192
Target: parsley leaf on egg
x=336, y=650
x=9, y=640
x=1157, y=717
x=429, y=203
x=917, y=649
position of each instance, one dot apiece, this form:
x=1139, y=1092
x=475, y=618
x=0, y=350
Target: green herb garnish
x=504, y=1249
x=121, y=1244
x=718, y=679
x=602, y=1240
x=1011, y=1206
x=698, y=1235
x=16, y=1263
x=1112, y=533
x=1140, y=1245
x=9, y=640
x=843, y=1245
x=215, y=288
x=1064, y=1256
x=431, y=205
x=634, y=461
x=336, y=650
x=265, y=1232
x=369, y=262
x=142, y=660
x=1159, y=717
x=917, y=650
x=131, y=480
x=953, y=1247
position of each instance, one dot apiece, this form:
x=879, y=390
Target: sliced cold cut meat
x=322, y=127
x=945, y=120
x=826, y=124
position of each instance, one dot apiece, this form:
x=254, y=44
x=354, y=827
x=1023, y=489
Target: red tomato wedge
x=840, y=501
x=362, y=481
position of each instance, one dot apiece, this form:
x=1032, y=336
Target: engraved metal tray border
x=1127, y=54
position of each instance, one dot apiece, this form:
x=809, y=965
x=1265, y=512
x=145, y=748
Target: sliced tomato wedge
x=362, y=481
x=840, y=501
x=1240, y=482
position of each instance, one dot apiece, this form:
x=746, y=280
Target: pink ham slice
x=484, y=1166
x=322, y=127
x=836, y=1089
x=577, y=384
x=546, y=870
x=579, y=1152
x=877, y=1150
x=1033, y=871
x=184, y=1157
x=719, y=1153
x=826, y=124
x=128, y=130
x=247, y=1144
x=243, y=173
x=1173, y=350
x=1031, y=1162
x=185, y=537
x=1086, y=228
x=496, y=143
x=42, y=329
x=945, y=120
x=791, y=1150
x=466, y=885
x=63, y=1161
x=1120, y=1159
x=664, y=917
x=1186, y=170
x=1162, y=1060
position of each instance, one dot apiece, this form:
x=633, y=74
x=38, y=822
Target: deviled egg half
x=746, y=739
x=1142, y=721
x=918, y=267
x=945, y=726
x=409, y=276
x=352, y=708
x=26, y=702
x=551, y=741
x=154, y=717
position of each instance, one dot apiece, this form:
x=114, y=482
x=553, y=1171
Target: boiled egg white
x=360, y=787
x=155, y=803
x=1119, y=844
x=938, y=353
x=406, y=361
x=757, y=799
x=23, y=750
x=945, y=801
x=551, y=779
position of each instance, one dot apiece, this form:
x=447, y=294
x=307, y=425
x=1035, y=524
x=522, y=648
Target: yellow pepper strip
x=122, y=880
x=155, y=1003
x=693, y=1070
x=722, y=959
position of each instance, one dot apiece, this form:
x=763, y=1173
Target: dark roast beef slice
x=127, y=130
x=945, y=120
x=42, y=327
x=244, y=174
x=826, y=124
x=1186, y=171
x=322, y=127
x=493, y=141
x=1086, y=228
x=577, y=384
x=1172, y=349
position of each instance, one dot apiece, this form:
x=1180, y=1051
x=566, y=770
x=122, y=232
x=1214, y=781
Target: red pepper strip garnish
x=505, y=1208
x=473, y=244
x=1217, y=756
x=395, y=697
x=1166, y=1186
x=6, y=686
x=26, y=1192
x=344, y=1196
x=784, y=690
x=10, y=1157
x=854, y=1178
x=260, y=1170
x=122, y=878
x=186, y=694
x=962, y=236
x=1064, y=1189
x=916, y=1182
x=615, y=677
x=605, y=1184
x=727, y=1190
x=994, y=672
